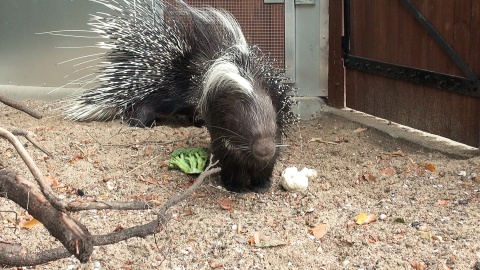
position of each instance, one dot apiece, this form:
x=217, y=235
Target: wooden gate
x=414, y=62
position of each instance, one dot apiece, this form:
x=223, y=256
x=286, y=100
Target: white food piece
x=296, y=181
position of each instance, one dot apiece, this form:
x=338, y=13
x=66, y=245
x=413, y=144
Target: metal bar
x=464, y=67
x=417, y=76
x=290, y=25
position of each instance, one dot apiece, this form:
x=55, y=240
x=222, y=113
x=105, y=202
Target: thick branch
x=20, y=106
x=135, y=205
x=47, y=191
x=71, y=233
x=32, y=200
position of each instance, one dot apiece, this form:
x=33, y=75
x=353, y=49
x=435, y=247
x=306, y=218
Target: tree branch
x=73, y=235
x=45, y=187
x=20, y=106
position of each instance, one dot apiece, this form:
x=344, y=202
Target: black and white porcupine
x=166, y=57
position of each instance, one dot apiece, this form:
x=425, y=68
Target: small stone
x=415, y=224
x=463, y=202
x=476, y=266
x=383, y=216
x=462, y=173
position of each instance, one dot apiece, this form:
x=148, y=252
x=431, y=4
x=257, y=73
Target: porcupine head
x=241, y=117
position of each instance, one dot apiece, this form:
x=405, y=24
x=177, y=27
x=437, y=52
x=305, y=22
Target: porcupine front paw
x=261, y=180
x=234, y=180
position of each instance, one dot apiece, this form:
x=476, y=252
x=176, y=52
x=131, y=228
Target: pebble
x=463, y=202
x=383, y=216
x=96, y=264
x=110, y=185
x=415, y=224
x=462, y=173
x=443, y=219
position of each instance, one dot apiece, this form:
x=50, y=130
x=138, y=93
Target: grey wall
x=27, y=58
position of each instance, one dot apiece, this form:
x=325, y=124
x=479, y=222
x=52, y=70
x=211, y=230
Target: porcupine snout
x=263, y=149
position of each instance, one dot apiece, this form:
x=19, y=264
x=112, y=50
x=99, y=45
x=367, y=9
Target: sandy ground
x=427, y=204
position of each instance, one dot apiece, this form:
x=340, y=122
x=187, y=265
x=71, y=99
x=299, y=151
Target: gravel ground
x=426, y=204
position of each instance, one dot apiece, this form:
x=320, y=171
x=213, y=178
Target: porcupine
x=171, y=58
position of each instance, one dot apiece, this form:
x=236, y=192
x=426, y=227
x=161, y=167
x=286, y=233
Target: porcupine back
x=155, y=60
x=175, y=59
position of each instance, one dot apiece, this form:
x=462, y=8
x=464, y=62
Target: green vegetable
x=189, y=160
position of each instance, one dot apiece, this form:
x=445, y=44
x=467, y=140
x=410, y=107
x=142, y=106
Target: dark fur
x=168, y=77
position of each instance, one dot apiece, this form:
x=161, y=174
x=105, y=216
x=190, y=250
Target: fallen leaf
x=225, y=204
x=443, y=202
x=388, y=171
x=148, y=180
x=259, y=240
x=369, y=177
x=118, y=228
x=254, y=239
x=271, y=243
x=428, y=235
x=200, y=195
x=365, y=218
x=148, y=151
x=271, y=222
x=43, y=158
x=446, y=267
x=399, y=220
x=216, y=265
x=53, y=181
x=423, y=228
x=430, y=167
x=318, y=231
x=31, y=223
x=418, y=265
x=358, y=130
x=75, y=158
x=372, y=239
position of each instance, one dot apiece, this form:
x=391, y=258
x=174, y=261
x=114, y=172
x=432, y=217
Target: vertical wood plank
x=336, y=71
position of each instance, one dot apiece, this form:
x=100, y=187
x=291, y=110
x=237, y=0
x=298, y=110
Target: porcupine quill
x=171, y=58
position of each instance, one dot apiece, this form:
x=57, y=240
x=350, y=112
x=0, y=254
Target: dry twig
x=20, y=132
x=322, y=141
x=72, y=234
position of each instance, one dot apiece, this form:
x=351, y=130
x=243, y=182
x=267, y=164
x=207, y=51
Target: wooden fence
x=412, y=84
